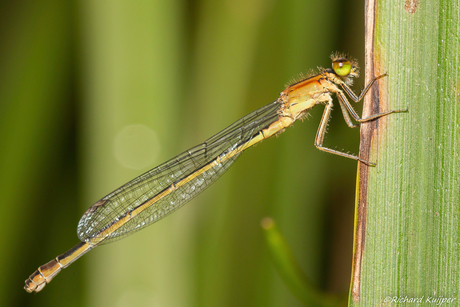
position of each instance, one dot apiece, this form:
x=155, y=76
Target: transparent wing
x=133, y=194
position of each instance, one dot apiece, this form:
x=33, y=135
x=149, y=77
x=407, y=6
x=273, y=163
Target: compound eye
x=342, y=67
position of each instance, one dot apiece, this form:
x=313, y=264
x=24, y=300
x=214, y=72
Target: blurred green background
x=94, y=93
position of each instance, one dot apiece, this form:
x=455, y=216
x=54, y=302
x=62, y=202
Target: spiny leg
x=352, y=94
x=347, y=110
x=346, y=106
x=322, y=132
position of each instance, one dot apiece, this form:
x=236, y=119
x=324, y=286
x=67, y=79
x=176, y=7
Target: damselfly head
x=344, y=67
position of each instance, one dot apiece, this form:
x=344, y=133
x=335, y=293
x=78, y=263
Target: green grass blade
x=411, y=242
x=289, y=269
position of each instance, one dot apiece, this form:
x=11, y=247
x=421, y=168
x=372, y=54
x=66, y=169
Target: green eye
x=342, y=67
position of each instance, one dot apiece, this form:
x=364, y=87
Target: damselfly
x=153, y=195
